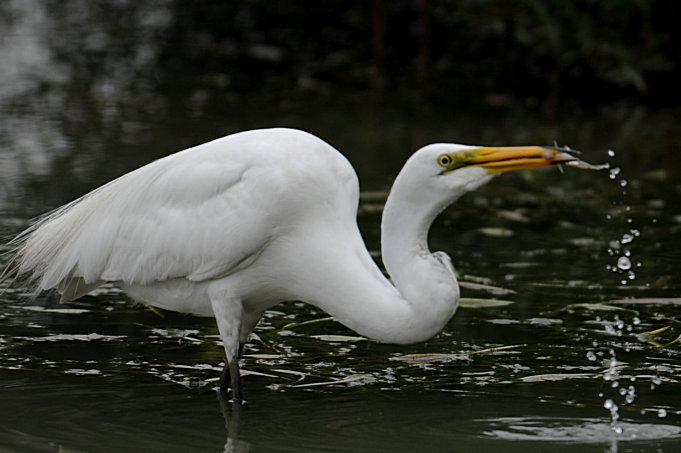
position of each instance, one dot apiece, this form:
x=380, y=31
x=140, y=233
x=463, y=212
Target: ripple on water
x=578, y=430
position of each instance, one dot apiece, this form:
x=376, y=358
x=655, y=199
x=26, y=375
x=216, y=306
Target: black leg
x=225, y=378
x=236, y=382
x=230, y=377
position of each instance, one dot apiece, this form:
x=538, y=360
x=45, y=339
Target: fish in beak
x=509, y=158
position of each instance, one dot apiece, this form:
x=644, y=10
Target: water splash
x=623, y=263
x=621, y=250
x=576, y=430
x=622, y=393
x=614, y=415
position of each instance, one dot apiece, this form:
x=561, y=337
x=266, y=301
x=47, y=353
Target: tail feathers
x=75, y=288
x=70, y=288
x=37, y=257
x=9, y=275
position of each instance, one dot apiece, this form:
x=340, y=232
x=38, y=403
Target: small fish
x=568, y=156
x=577, y=163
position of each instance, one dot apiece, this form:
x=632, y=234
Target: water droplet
x=615, y=245
x=631, y=394
x=591, y=356
x=635, y=232
x=624, y=263
x=662, y=413
x=631, y=275
x=623, y=282
x=614, y=172
x=611, y=153
x=609, y=404
x=616, y=384
x=623, y=183
x=636, y=321
x=627, y=238
x=638, y=264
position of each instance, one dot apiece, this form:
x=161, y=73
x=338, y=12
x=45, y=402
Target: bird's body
x=234, y=226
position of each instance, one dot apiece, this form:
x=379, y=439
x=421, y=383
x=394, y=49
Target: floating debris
x=473, y=302
x=63, y=311
x=306, y=323
x=556, y=377
x=355, y=379
x=338, y=338
x=430, y=357
x=498, y=348
x=74, y=337
x=495, y=290
x=496, y=232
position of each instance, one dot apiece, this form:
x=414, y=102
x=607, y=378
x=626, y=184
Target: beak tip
x=563, y=149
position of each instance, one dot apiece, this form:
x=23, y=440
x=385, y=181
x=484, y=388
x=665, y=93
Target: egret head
x=454, y=169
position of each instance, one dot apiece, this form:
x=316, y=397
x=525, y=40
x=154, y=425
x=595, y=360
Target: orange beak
x=509, y=158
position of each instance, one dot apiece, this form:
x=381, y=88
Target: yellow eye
x=445, y=160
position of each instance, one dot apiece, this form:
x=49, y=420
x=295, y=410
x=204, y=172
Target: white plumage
x=231, y=227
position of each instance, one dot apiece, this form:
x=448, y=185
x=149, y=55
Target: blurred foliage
x=543, y=52
x=87, y=84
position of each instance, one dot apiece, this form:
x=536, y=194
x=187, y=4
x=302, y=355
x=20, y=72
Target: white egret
x=232, y=227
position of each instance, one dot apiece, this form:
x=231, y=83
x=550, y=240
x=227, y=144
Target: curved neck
x=421, y=299
x=425, y=279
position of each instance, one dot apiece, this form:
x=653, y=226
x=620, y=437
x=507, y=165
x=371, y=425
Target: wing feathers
x=193, y=214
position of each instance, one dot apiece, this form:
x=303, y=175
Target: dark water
x=536, y=370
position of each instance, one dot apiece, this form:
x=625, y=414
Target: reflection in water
x=232, y=414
